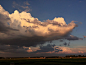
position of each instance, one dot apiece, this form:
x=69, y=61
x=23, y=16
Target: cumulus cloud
x=24, y=30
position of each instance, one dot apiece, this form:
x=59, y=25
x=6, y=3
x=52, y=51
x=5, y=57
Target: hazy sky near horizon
x=42, y=27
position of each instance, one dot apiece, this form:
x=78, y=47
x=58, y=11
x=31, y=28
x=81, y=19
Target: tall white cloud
x=25, y=27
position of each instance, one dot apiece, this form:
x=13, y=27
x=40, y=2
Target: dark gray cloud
x=61, y=40
x=12, y=49
x=66, y=44
x=71, y=37
x=48, y=48
x=3, y=26
x=23, y=41
x=45, y=48
x=4, y=21
x=57, y=49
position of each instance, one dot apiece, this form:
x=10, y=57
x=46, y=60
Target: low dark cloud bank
x=48, y=48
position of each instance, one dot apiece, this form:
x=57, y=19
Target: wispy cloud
x=26, y=3
x=23, y=7
x=84, y=36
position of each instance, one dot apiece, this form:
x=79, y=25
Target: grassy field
x=79, y=61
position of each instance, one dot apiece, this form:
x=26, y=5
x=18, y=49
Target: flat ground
x=65, y=61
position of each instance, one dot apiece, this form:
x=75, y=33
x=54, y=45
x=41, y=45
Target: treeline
x=70, y=56
x=75, y=56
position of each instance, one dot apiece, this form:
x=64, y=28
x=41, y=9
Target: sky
x=42, y=28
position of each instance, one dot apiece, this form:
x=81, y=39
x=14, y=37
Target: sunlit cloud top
x=24, y=27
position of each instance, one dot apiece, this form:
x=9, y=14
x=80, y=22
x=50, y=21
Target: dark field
x=75, y=61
